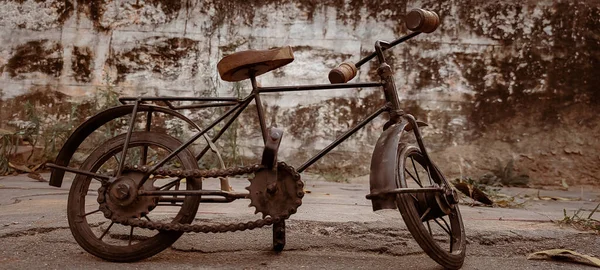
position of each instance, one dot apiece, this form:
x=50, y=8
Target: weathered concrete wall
x=499, y=81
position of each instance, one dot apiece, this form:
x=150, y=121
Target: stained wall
x=500, y=82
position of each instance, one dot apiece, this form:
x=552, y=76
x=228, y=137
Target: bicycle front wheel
x=437, y=228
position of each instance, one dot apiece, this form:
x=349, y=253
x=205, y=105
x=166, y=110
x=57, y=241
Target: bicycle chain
x=214, y=228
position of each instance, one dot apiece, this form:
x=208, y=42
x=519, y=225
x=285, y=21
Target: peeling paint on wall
x=36, y=56
x=82, y=64
x=161, y=56
x=492, y=81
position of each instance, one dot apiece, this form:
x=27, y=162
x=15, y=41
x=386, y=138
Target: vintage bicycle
x=142, y=170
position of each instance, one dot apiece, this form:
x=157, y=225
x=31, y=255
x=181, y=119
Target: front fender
x=384, y=164
x=93, y=123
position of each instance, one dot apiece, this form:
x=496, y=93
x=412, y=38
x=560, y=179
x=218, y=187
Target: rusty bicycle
x=142, y=170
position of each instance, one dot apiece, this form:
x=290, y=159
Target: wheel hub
x=122, y=191
x=120, y=198
x=433, y=205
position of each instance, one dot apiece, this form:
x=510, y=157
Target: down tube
x=342, y=138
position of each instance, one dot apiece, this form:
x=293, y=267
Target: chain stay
x=211, y=228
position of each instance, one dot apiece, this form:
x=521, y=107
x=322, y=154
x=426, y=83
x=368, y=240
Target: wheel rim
x=444, y=233
x=105, y=238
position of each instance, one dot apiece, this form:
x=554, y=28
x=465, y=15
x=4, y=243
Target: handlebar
x=417, y=20
x=420, y=20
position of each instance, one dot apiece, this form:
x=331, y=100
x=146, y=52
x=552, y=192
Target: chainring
x=276, y=193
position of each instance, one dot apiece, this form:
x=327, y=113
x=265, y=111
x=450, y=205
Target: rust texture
x=82, y=63
x=166, y=55
x=96, y=10
x=36, y=56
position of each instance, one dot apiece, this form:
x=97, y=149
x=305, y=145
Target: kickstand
x=278, y=236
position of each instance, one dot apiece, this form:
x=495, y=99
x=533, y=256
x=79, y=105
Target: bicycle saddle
x=239, y=66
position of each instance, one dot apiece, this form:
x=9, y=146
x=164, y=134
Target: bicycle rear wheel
x=437, y=228
x=110, y=240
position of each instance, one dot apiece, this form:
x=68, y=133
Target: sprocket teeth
x=256, y=212
x=247, y=188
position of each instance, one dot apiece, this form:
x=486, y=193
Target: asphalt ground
x=335, y=228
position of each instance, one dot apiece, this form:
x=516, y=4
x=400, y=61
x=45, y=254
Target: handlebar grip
x=343, y=73
x=420, y=20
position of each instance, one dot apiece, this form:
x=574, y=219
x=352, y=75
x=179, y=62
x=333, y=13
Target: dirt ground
x=547, y=150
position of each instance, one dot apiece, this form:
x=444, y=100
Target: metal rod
x=217, y=200
x=106, y=231
x=205, y=105
x=241, y=107
x=380, y=47
x=193, y=193
x=145, y=149
x=410, y=174
x=124, y=99
x=318, y=87
x=404, y=190
x=77, y=171
x=261, y=117
x=203, y=199
x=342, y=138
x=391, y=44
x=87, y=214
x=128, y=137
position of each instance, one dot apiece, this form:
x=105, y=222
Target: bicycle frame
x=237, y=106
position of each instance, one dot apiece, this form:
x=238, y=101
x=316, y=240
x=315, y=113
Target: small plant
x=54, y=135
x=7, y=147
x=580, y=222
x=106, y=96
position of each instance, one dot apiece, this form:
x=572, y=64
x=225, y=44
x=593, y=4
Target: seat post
x=253, y=80
x=259, y=107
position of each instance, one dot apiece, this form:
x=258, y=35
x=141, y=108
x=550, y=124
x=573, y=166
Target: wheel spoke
x=451, y=234
x=116, y=159
x=411, y=176
x=429, y=228
x=146, y=217
x=441, y=226
x=144, y=155
x=106, y=231
x=429, y=176
x=425, y=214
x=87, y=214
x=170, y=184
x=416, y=172
x=447, y=226
x=451, y=242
